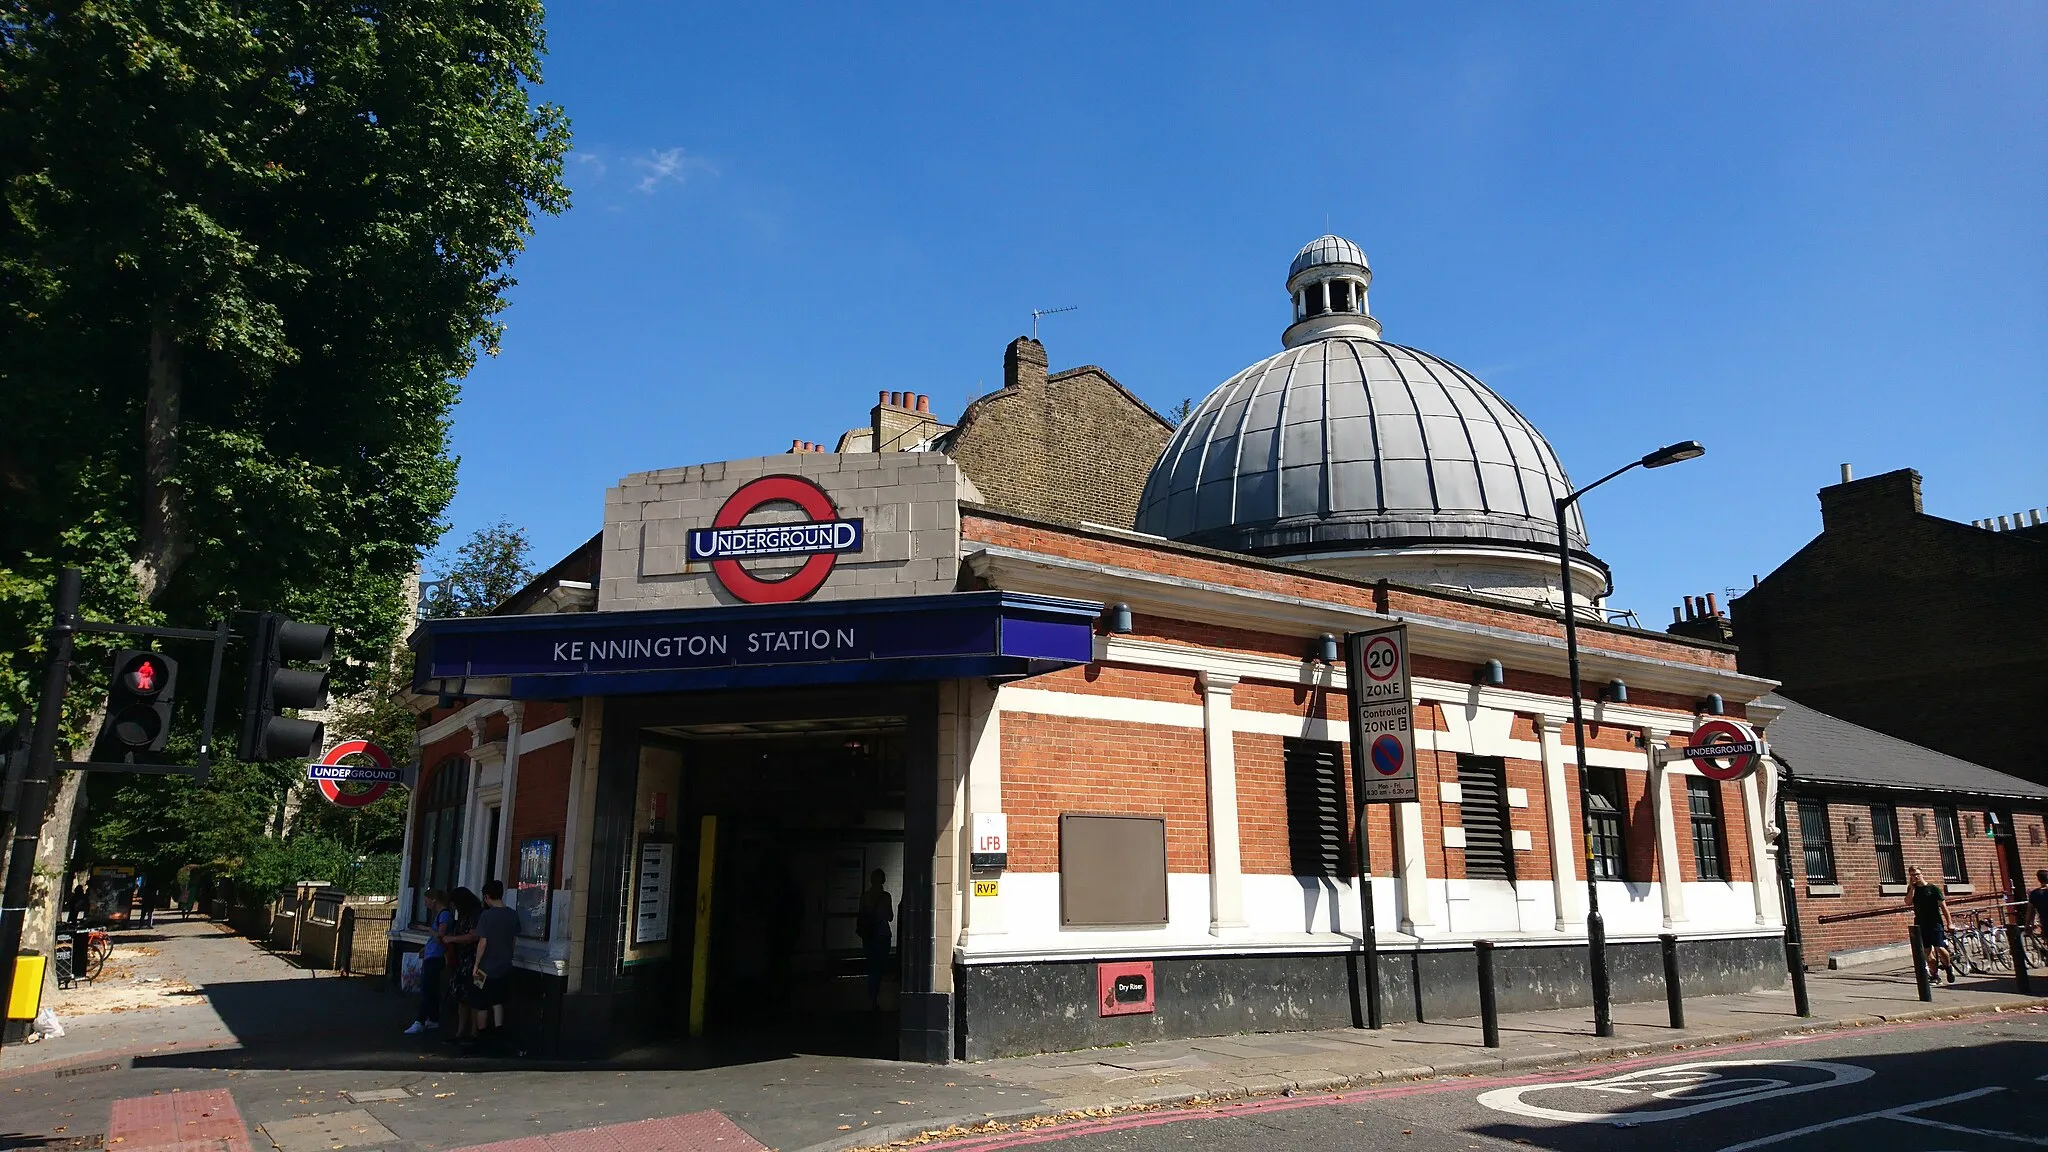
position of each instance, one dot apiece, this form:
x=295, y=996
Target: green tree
x=1181, y=412
x=248, y=247
x=484, y=573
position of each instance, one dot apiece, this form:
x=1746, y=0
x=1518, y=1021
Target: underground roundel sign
x=1724, y=749
x=819, y=540
x=353, y=785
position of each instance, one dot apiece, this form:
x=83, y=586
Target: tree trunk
x=164, y=543
x=163, y=548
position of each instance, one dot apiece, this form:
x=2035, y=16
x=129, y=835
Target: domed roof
x=1344, y=444
x=1326, y=250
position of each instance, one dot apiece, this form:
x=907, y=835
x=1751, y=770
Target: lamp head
x=1673, y=453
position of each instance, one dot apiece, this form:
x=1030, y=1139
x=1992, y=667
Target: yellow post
x=700, y=952
x=28, y=987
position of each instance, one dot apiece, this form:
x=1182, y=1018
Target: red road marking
x=178, y=1122
x=690, y=1132
x=1361, y=1095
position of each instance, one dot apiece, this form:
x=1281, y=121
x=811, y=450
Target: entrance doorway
x=783, y=826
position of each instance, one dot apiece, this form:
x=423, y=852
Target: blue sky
x=1802, y=234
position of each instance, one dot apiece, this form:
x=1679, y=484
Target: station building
x=1064, y=629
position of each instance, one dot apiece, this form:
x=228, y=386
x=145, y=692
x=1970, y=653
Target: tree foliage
x=484, y=572
x=247, y=249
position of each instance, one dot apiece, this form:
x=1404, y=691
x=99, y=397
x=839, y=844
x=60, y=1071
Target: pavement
x=262, y=1054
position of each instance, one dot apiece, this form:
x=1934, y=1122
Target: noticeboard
x=653, y=893
x=1382, y=715
x=536, y=872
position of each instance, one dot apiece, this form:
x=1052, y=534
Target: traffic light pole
x=35, y=790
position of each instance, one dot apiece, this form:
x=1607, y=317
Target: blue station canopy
x=1006, y=635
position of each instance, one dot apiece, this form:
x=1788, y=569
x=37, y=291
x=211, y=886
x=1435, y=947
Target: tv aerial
x=1037, y=312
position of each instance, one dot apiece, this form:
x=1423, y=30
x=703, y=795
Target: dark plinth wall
x=1049, y=1006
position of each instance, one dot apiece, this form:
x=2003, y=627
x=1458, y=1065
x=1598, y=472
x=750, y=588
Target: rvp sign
x=1382, y=715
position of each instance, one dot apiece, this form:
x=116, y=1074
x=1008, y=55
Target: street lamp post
x=1596, y=928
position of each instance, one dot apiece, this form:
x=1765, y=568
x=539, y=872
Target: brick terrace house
x=1863, y=807
x=1927, y=629
x=691, y=744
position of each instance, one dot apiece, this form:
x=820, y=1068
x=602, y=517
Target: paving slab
x=354, y=1128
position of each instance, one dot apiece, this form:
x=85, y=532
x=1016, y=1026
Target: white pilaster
x=1763, y=861
x=1226, y=871
x=1411, y=860
x=1570, y=891
x=1669, y=885
x=981, y=731
x=508, y=848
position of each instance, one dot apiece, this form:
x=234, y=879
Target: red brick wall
x=540, y=802
x=1833, y=923
x=1058, y=764
x=1117, y=680
x=1265, y=576
x=1262, y=805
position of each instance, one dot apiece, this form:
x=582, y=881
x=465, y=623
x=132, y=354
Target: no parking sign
x=1382, y=714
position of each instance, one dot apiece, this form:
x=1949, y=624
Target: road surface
x=1943, y=1086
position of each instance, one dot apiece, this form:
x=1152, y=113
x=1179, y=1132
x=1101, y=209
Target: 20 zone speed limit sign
x=1382, y=735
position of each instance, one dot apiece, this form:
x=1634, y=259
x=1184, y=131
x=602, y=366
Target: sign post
x=1382, y=762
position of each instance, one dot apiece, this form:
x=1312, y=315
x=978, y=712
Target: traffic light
x=273, y=643
x=138, y=707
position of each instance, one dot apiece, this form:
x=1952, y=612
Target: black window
x=1340, y=296
x=1950, y=834
x=1814, y=840
x=1603, y=823
x=1884, y=837
x=1703, y=801
x=1312, y=296
x=1489, y=848
x=1316, y=840
x=437, y=846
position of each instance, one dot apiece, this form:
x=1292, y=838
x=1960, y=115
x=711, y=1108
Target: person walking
x=1930, y=913
x=433, y=961
x=459, y=958
x=877, y=912
x=151, y=893
x=497, y=928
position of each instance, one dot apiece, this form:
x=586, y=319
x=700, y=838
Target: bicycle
x=98, y=947
x=1982, y=946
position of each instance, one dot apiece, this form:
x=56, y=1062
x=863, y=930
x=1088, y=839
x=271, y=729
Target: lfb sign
x=820, y=540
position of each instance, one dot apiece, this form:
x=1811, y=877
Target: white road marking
x=1994, y=1133
x=1697, y=1085
x=1898, y=1113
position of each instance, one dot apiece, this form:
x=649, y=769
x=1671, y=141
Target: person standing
x=1930, y=913
x=877, y=912
x=497, y=927
x=151, y=893
x=433, y=961
x=459, y=939
x=2037, y=906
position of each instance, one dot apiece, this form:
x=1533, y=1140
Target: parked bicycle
x=1982, y=945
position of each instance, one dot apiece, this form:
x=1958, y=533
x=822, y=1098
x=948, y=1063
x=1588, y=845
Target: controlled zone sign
x=1723, y=749
x=354, y=785
x=1382, y=715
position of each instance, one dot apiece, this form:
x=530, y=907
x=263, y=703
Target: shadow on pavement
x=356, y=1023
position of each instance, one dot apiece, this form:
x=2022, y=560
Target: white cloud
x=591, y=163
x=664, y=165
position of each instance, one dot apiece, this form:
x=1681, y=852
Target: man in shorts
x=1930, y=913
x=491, y=979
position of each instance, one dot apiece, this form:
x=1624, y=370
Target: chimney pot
x=1688, y=608
x=1713, y=605
x=1677, y=614
x=796, y=445
x=882, y=397
x=924, y=403
x=1846, y=474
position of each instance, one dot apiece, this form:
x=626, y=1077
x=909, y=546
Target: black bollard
x=1489, y=1012
x=2016, y=939
x=1919, y=962
x=1795, y=963
x=1673, y=998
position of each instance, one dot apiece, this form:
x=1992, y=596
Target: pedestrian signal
x=138, y=707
